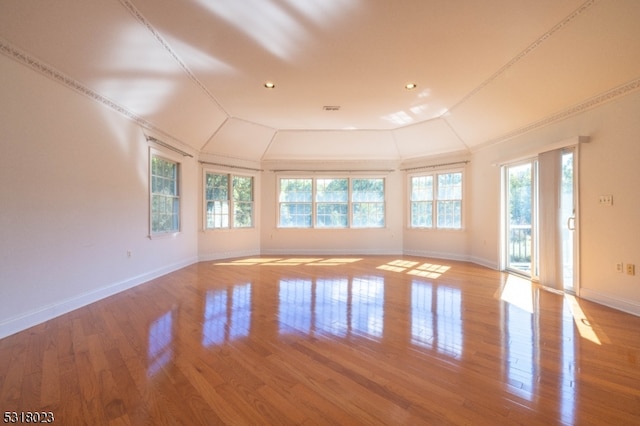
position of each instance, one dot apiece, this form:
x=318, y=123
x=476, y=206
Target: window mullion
x=230, y=201
x=314, y=203
x=434, y=202
x=349, y=203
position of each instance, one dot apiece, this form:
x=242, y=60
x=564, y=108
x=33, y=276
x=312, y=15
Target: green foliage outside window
x=223, y=191
x=165, y=201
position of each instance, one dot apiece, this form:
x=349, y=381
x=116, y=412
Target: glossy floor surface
x=350, y=340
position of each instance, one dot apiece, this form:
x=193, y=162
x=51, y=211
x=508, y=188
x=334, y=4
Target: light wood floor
x=373, y=340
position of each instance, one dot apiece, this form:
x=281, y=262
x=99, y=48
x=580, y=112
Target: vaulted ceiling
x=194, y=71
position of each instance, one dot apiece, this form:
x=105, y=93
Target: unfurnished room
x=320, y=212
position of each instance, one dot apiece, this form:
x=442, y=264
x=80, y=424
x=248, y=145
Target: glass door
x=568, y=234
x=520, y=244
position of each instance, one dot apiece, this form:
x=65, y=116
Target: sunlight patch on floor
x=293, y=261
x=427, y=270
x=250, y=261
x=518, y=292
x=584, y=326
x=336, y=261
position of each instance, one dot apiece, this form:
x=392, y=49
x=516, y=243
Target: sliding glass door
x=568, y=234
x=540, y=209
x=520, y=232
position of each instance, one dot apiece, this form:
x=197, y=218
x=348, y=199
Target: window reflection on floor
x=568, y=373
x=436, y=318
x=295, y=306
x=335, y=306
x=522, y=351
x=160, y=350
x=367, y=309
x=331, y=306
x=227, y=315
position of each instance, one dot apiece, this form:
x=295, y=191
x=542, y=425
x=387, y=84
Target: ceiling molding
x=140, y=18
x=590, y=103
x=533, y=46
x=48, y=71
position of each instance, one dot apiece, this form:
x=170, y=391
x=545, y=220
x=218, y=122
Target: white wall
x=74, y=199
x=608, y=165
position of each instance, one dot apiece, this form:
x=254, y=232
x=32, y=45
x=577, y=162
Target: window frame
x=168, y=157
x=314, y=203
x=279, y=202
x=230, y=200
x=435, y=199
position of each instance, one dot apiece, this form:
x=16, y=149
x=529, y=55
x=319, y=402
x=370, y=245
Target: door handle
x=571, y=223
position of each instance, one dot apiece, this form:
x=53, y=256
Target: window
x=229, y=201
x=332, y=203
x=436, y=198
x=449, y=201
x=165, y=196
x=242, y=202
x=217, y=199
x=422, y=202
x=296, y=197
x=368, y=203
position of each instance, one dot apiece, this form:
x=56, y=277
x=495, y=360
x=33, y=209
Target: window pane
x=332, y=190
x=368, y=203
x=217, y=187
x=243, y=201
x=242, y=188
x=295, y=203
x=165, y=203
x=422, y=188
x=331, y=215
x=422, y=214
x=217, y=193
x=368, y=190
x=217, y=214
x=293, y=190
x=243, y=214
x=449, y=214
x=368, y=215
x=450, y=186
x=295, y=215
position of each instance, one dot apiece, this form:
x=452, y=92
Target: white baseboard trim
x=437, y=255
x=329, y=252
x=22, y=322
x=491, y=264
x=228, y=255
x=612, y=302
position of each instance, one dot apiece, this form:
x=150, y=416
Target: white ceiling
x=193, y=71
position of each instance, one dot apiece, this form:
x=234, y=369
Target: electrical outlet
x=605, y=200
x=631, y=269
x=620, y=267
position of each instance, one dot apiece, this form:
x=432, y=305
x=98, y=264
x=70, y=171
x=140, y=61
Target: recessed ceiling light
x=269, y=85
x=410, y=86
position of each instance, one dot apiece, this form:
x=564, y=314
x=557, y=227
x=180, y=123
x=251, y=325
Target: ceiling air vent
x=331, y=107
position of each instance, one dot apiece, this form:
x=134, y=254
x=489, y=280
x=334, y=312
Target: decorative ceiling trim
x=533, y=46
x=140, y=18
x=48, y=71
x=590, y=103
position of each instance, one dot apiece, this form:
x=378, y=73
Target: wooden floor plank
x=367, y=340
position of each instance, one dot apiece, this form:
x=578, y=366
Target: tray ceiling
x=195, y=71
